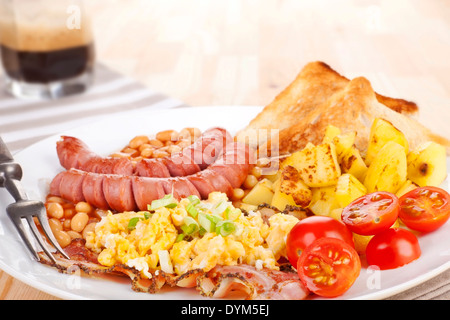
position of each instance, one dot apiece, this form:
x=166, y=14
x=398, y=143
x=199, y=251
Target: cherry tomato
x=312, y=228
x=329, y=267
x=425, y=209
x=371, y=213
x=392, y=248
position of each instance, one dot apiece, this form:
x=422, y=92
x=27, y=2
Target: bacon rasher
x=243, y=281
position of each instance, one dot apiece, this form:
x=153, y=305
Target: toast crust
x=312, y=87
x=352, y=109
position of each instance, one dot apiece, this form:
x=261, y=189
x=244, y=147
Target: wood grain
x=243, y=52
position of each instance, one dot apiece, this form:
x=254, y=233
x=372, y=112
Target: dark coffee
x=47, y=66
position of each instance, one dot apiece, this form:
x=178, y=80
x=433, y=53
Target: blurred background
x=244, y=52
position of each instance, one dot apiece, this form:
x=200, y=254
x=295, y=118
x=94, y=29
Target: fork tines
x=23, y=208
x=27, y=210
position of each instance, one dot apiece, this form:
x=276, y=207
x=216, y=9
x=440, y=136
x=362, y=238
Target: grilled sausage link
x=131, y=192
x=74, y=153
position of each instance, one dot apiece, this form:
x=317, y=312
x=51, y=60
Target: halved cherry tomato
x=371, y=213
x=425, y=209
x=307, y=230
x=392, y=248
x=329, y=267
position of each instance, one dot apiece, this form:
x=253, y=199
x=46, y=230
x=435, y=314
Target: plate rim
x=62, y=294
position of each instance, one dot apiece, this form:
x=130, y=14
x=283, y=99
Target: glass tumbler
x=46, y=46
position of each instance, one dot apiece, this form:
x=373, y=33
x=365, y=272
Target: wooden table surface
x=244, y=52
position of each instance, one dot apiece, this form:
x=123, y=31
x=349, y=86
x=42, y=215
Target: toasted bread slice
x=352, y=109
x=315, y=83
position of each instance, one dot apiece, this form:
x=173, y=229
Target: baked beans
x=167, y=135
x=79, y=221
x=137, y=141
x=250, y=181
x=69, y=221
x=63, y=238
x=162, y=144
x=238, y=193
x=55, y=210
x=83, y=207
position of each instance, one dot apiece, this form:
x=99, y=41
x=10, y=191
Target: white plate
x=40, y=164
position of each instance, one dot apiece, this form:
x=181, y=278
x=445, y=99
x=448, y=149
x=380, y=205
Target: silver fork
x=24, y=208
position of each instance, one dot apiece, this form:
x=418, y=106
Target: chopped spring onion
x=190, y=226
x=180, y=237
x=147, y=215
x=225, y=227
x=220, y=207
x=204, y=206
x=201, y=232
x=194, y=200
x=214, y=218
x=206, y=223
x=232, y=214
x=215, y=223
x=133, y=222
x=190, y=208
x=167, y=201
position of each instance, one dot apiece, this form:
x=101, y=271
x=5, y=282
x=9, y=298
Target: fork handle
x=10, y=175
x=9, y=170
x=15, y=188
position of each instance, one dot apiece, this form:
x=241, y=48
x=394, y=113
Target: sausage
x=180, y=187
x=146, y=190
x=70, y=186
x=206, y=153
x=208, y=181
x=175, y=168
x=56, y=184
x=74, y=153
x=203, y=186
x=235, y=163
x=129, y=193
x=152, y=169
x=109, y=165
x=234, y=177
x=118, y=192
x=92, y=188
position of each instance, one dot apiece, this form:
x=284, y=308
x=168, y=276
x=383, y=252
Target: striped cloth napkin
x=438, y=288
x=23, y=122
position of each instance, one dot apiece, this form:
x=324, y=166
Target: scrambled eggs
x=176, y=237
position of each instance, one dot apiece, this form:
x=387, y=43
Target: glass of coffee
x=46, y=46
